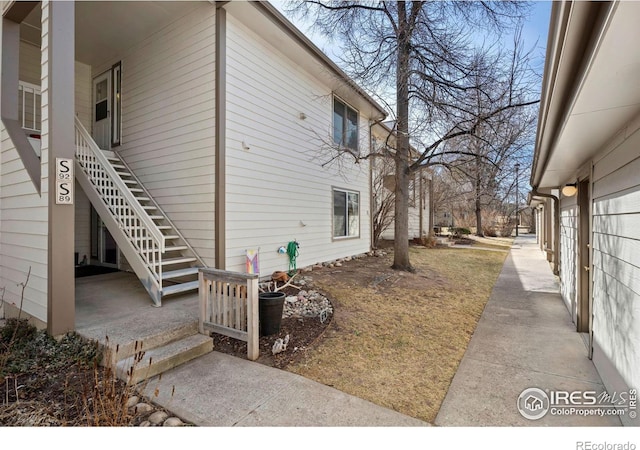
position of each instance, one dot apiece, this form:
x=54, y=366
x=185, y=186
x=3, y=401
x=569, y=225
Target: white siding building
x=197, y=138
x=586, y=183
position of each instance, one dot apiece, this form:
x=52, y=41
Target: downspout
x=431, y=208
x=371, y=204
x=221, y=135
x=556, y=226
x=421, y=208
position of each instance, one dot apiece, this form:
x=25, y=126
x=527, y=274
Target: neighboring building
x=383, y=188
x=586, y=188
x=197, y=131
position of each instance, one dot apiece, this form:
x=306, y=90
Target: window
x=345, y=125
x=29, y=103
x=346, y=214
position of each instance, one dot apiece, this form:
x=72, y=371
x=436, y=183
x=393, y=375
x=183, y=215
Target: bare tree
x=422, y=50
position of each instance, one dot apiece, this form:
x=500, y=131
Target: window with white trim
x=345, y=125
x=346, y=213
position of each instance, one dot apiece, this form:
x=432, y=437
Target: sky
x=534, y=32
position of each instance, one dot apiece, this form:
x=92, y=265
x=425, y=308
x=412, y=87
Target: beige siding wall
x=29, y=63
x=616, y=255
x=277, y=189
x=414, y=218
x=23, y=229
x=568, y=251
x=168, y=114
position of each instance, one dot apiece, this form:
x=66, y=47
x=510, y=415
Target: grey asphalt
x=524, y=339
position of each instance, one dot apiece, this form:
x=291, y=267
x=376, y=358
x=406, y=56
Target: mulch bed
x=303, y=334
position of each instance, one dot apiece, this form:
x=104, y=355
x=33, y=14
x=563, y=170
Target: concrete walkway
x=222, y=390
x=525, y=338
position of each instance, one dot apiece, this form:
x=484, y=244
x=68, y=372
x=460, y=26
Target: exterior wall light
x=569, y=190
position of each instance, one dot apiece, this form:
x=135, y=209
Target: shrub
x=490, y=231
x=506, y=230
x=460, y=231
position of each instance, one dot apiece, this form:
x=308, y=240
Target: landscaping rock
x=173, y=422
x=133, y=401
x=146, y=423
x=143, y=408
x=158, y=417
x=306, y=304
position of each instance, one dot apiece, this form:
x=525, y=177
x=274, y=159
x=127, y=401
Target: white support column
x=58, y=78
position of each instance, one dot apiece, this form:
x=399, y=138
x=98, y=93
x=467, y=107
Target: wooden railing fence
x=229, y=306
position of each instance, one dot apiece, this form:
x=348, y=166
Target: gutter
x=556, y=226
x=575, y=33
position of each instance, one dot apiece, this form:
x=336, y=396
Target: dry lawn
x=397, y=338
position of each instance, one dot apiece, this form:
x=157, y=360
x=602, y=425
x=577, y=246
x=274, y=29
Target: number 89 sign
x=64, y=181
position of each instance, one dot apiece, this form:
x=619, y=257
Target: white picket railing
x=29, y=101
x=229, y=306
x=133, y=220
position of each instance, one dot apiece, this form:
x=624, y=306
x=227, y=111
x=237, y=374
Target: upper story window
x=29, y=102
x=345, y=125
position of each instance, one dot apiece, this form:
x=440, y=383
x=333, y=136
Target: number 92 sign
x=64, y=181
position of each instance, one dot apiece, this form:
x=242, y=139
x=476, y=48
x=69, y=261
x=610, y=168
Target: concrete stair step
x=153, y=336
x=161, y=359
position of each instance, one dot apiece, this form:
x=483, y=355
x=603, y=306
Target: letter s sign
x=64, y=181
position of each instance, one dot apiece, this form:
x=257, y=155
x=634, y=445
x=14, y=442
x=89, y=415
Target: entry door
x=103, y=245
x=102, y=110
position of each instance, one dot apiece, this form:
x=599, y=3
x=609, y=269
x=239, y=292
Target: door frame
x=98, y=230
x=583, y=310
x=105, y=76
x=113, y=77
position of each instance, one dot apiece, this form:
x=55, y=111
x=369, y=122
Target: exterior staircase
x=157, y=252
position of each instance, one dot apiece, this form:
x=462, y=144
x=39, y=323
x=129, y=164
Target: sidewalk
x=224, y=391
x=525, y=338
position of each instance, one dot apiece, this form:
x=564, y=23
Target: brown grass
x=398, y=338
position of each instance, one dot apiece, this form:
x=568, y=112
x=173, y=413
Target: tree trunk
x=402, y=155
x=479, y=230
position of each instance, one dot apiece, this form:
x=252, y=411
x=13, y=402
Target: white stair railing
x=132, y=219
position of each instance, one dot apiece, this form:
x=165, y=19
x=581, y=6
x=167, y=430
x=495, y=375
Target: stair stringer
x=136, y=262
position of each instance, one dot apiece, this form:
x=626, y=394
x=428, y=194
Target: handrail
x=152, y=200
x=121, y=186
x=229, y=306
x=130, y=217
